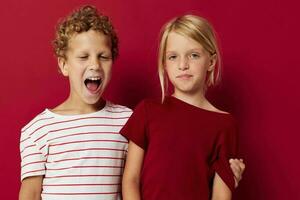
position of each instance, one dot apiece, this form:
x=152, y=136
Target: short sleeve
x=32, y=159
x=135, y=129
x=227, y=147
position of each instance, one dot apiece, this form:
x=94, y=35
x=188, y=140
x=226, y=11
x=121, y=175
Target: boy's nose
x=95, y=65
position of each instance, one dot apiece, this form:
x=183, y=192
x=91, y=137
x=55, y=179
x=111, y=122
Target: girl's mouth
x=184, y=76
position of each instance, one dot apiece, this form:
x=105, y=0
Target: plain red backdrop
x=259, y=41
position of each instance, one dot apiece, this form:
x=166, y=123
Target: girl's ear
x=63, y=66
x=212, y=63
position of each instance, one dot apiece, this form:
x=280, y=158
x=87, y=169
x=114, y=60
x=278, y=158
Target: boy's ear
x=213, y=61
x=63, y=66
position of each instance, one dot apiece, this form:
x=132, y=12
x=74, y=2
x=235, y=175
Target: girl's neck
x=197, y=100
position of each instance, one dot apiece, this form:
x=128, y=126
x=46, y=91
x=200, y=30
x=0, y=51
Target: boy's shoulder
x=42, y=117
x=117, y=110
x=110, y=106
x=46, y=118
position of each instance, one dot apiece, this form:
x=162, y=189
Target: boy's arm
x=131, y=176
x=220, y=190
x=31, y=188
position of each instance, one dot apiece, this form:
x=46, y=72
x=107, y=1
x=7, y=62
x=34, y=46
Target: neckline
x=191, y=106
x=78, y=115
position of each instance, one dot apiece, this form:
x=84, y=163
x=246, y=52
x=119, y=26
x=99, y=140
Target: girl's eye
x=172, y=57
x=194, y=56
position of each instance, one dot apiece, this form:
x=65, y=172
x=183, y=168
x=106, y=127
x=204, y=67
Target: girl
x=179, y=148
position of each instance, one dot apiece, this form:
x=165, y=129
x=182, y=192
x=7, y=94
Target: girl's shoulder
x=150, y=102
x=148, y=106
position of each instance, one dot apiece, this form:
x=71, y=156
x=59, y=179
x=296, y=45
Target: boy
x=75, y=151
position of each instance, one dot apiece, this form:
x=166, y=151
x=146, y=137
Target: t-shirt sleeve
x=32, y=159
x=135, y=129
x=227, y=147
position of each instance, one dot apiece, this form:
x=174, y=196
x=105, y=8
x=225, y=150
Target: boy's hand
x=237, y=167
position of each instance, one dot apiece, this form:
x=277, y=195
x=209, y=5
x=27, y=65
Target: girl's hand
x=238, y=168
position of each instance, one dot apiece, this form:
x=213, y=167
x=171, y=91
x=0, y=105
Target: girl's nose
x=183, y=64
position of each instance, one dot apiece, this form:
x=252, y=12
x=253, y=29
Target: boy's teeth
x=94, y=78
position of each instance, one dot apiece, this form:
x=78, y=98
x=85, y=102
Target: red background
x=259, y=40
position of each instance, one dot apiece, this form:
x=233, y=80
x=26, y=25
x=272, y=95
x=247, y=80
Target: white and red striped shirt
x=80, y=156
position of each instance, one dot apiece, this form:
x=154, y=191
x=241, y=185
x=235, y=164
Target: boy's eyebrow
x=87, y=51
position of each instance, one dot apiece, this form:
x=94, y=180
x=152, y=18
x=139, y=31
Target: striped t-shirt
x=80, y=156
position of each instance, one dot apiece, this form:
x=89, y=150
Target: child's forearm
x=221, y=197
x=29, y=194
x=220, y=190
x=131, y=190
x=131, y=176
x=31, y=188
x=26, y=195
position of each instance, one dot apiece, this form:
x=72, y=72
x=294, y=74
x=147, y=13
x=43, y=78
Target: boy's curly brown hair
x=82, y=20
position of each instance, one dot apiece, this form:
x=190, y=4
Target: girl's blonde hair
x=200, y=30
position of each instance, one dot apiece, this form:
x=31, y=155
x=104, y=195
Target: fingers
x=242, y=165
x=236, y=170
x=238, y=167
x=238, y=163
x=236, y=183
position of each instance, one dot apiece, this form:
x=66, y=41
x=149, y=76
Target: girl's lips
x=184, y=76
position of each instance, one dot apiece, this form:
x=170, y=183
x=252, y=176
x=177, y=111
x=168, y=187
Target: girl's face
x=187, y=64
x=88, y=65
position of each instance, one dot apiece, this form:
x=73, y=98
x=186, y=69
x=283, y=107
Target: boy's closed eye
x=104, y=57
x=101, y=57
x=83, y=57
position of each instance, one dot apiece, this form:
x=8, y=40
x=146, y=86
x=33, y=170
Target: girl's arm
x=31, y=188
x=131, y=176
x=220, y=190
x=238, y=167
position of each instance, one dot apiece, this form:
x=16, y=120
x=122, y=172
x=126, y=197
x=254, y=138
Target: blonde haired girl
x=179, y=148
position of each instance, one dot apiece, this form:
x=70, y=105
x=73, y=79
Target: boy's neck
x=69, y=107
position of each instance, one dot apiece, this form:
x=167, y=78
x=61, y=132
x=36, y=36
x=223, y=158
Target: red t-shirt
x=184, y=147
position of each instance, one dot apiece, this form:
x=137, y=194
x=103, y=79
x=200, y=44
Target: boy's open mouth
x=93, y=83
